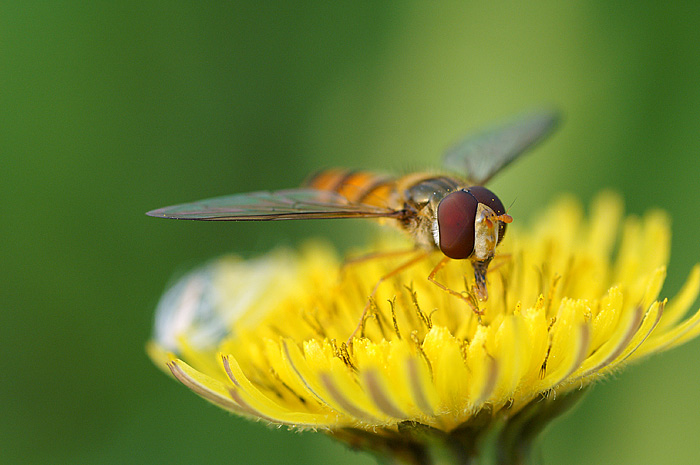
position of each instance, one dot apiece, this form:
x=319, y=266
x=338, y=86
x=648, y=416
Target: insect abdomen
x=357, y=186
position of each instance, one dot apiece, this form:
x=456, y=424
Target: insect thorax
x=423, y=197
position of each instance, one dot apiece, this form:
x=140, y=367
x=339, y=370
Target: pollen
x=573, y=297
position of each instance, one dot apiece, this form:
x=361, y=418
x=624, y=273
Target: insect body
x=439, y=212
x=456, y=215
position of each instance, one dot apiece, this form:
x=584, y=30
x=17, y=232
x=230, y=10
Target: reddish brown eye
x=485, y=196
x=455, y=217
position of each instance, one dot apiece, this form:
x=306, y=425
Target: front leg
x=469, y=298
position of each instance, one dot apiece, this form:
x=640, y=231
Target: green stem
x=516, y=441
x=483, y=440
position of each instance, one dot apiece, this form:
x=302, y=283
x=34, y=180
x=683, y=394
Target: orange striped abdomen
x=358, y=186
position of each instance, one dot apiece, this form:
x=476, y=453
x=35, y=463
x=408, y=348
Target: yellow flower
x=570, y=300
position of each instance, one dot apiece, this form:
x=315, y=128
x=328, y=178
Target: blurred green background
x=110, y=109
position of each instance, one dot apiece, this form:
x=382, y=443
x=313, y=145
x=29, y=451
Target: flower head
x=570, y=300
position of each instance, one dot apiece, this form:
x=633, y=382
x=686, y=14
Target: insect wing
x=288, y=204
x=481, y=156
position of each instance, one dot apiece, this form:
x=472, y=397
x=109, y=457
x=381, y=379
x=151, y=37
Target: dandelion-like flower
x=425, y=380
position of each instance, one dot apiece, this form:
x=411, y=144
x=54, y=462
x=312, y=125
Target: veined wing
x=290, y=204
x=481, y=156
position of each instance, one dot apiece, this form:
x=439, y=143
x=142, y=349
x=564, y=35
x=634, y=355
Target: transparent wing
x=291, y=204
x=481, y=156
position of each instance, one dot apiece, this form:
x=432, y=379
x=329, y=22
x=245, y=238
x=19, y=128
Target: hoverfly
x=453, y=214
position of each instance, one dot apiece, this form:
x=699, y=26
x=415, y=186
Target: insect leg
x=469, y=299
x=421, y=255
x=499, y=261
x=376, y=256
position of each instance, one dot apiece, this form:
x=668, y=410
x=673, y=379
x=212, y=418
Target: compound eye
x=455, y=216
x=485, y=196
